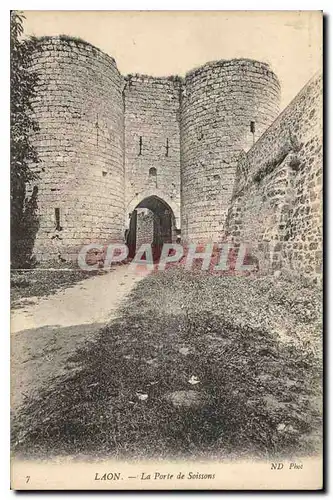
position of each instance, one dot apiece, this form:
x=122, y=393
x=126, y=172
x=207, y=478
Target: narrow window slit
x=253, y=129
x=167, y=148
x=57, y=219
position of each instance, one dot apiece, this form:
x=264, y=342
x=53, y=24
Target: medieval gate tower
x=110, y=144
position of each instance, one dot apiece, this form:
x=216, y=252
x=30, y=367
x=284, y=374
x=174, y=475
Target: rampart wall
x=276, y=206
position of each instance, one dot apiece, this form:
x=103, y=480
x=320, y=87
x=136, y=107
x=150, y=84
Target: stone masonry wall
x=106, y=143
x=219, y=101
x=79, y=108
x=277, y=201
x=152, y=114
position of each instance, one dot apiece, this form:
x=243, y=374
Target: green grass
x=262, y=393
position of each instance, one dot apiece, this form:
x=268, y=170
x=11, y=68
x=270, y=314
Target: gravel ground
x=249, y=346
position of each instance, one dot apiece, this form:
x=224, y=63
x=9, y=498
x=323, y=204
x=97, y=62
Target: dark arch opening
x=151, y=222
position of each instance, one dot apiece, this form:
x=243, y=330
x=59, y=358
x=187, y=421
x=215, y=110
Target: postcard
x=166, y=250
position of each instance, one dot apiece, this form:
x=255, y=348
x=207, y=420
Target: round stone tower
x=80, y=111
x=226, y=106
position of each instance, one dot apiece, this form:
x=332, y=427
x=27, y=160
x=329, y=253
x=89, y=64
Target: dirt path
x=194, y=366
x=44, y=335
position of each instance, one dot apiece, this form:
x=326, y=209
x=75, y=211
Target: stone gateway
x=150, y=159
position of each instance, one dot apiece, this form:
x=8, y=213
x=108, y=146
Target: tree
x=23, y=154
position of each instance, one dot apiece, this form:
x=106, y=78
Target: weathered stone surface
x=79, y=108
x=219, y=102
x=106, y=142
x=277, y=208
x=152, y=114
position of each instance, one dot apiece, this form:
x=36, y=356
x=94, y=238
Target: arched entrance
x=151, y=222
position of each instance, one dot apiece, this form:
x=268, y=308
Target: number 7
x=28, y=477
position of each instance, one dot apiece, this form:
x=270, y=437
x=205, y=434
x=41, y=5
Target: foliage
x=23, y=154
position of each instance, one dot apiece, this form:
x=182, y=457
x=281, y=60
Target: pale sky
x=174, y=42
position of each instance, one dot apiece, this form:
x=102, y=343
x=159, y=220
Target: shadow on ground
x=40, y=356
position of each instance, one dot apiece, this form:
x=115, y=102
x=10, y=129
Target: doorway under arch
x=151, y=222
